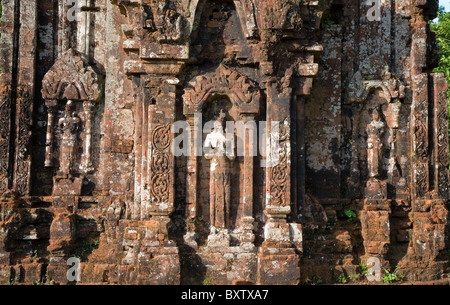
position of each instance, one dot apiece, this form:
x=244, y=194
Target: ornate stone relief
x=223, y=81
x=381, y=95
x=74, y=85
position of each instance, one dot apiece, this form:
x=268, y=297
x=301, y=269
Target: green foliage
x=350, y=214
x=342, y=279
x=14, y=281
x=363, y=268
x=389, y=277
x=35, y=255
x=442, y=30
x=315, y=280
x=355, y=277
x=207, y=280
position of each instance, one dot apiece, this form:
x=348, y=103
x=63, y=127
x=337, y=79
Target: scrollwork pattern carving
x=420, y=129
x=224, y=81
x=5, y=112
x=160, y=178
x=24, y=102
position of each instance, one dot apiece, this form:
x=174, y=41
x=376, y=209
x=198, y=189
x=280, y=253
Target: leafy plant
x=392, y=277
x=350, y=215
x=14, y=281
x=363, y=268
x=35, y=255
x=207, y=280
x=91, y=245
x=389, y=277
x=442, y=29
x=355, y=276
x=316, y=280
x=342, y=279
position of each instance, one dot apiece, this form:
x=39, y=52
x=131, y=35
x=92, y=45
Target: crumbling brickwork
x=90, y=92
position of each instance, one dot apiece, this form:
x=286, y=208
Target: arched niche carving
x=374, y=74
x=245, y=9
x=242, y=91
x=377, y=90
x=240, y=98
x=71, y=78
x=73, y=85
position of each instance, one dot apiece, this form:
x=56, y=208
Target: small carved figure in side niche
x=171, y=29
x=69, y=125
x=149, y=22
x=220, y=191
x=375, y=147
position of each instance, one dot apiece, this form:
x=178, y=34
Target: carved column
x=277, y=244
x=24, y=104
x=157, y=139
x=5, y=134
x=51, y=110
x=441, y=153
x=278, y=192
x=248, y=237
x=86, y=165
x=420, y=135
x=64, y=33
x=192, y=182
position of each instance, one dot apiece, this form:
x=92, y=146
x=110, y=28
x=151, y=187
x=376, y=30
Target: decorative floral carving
x=421, y=129
x=22, y=163
x=421, y=179
x=161, y=137
x=223, y=81
x=71, y=78
x=160, y=178
x=5, y=113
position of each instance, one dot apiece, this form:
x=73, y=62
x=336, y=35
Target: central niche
x=214, y=187
x=220, y=87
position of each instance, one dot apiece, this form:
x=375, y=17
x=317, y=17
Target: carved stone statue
x=375, y=147
x=220, y=195
x=171, y=30
x=69, y=125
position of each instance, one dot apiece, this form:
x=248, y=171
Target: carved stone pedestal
x=150, y=258
x=190, y=239
x=57, y=270
x=219, y=238
x=278, y=266
x=279, y=257
x=67, y=186
x=224, y=265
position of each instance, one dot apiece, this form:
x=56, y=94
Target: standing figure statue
x=219, y=189
x=69, y=125
x=375, y=147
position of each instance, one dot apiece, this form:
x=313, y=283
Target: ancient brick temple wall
x=89, y=94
